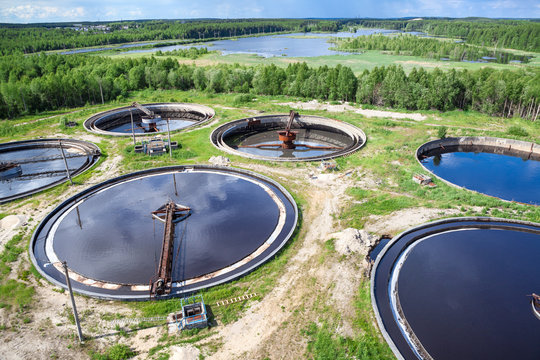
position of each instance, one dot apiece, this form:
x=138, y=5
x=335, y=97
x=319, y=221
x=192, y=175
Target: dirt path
x=263, y=323
x=49, y=117
x=315, y=105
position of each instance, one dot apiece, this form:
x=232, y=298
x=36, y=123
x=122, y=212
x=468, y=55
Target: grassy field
x=357, y=62
x=388, y=157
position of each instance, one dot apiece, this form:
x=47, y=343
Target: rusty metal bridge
x=170, y=214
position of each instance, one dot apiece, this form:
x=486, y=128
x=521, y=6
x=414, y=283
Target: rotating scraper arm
x=292, y=115
x=143, y=109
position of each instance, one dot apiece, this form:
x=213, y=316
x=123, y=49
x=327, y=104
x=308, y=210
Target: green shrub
x=242, y=99
x=517, y=131
x=115, y=352
x=441, y=132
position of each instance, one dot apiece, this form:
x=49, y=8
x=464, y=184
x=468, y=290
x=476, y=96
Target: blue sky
x=25, y=11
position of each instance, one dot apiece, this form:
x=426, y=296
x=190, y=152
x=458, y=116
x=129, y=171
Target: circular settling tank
x=112, y=236
x=310, y=138
x=30, y=166
x=118, y=122
x=460, y=289
x=503, y=168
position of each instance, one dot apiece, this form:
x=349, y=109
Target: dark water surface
x=501, y=175
x=308, y=137
x=464, y=294
x=30, y=178
x=377, y=250
x=118, y=241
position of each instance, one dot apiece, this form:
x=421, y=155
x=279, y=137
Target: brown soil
x=315, y=105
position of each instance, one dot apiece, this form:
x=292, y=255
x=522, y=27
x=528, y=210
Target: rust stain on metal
x=169, y=213
x=286, y=137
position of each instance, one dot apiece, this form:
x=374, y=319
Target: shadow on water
x=378, y=248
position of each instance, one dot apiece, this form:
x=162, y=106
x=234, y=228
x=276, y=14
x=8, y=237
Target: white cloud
x=135, y=13
x=503, y=4
x=111, y=13
x=28, y=12
x=456, y=3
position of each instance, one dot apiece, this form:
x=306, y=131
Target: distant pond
x=290, y=45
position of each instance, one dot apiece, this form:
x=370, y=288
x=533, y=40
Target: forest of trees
x=512, y=34
x=34, y=38
x=190, y=53
x=424, y=47
x=31, y=84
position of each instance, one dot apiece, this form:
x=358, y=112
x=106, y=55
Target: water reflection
x=463, y=294
x=311, y=137
x=120, y=241
x=507, y=175
x=40, y=167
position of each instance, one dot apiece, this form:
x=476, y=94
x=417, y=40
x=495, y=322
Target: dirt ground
x=316, y=105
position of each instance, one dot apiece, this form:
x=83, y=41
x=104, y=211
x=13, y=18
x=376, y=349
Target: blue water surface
x=507, y=177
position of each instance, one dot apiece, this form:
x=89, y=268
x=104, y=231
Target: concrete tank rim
x=396, y=238
x=89, y=122
x=229, y=125
x=418, y=152
x=86, y=192
x=81, y=144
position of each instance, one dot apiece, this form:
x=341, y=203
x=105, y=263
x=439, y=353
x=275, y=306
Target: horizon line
x=271, y=18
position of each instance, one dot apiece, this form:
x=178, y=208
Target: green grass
x=115, y=352
x=374, y=203
x=12, y=249
x=357, y=62
x=15, y=295
x=517, y=131
x=325, y=344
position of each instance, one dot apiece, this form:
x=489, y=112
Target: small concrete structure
x=194, y=314
x=423, y=180
x=155, y=146
x=219, y=161
x=328, y=165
